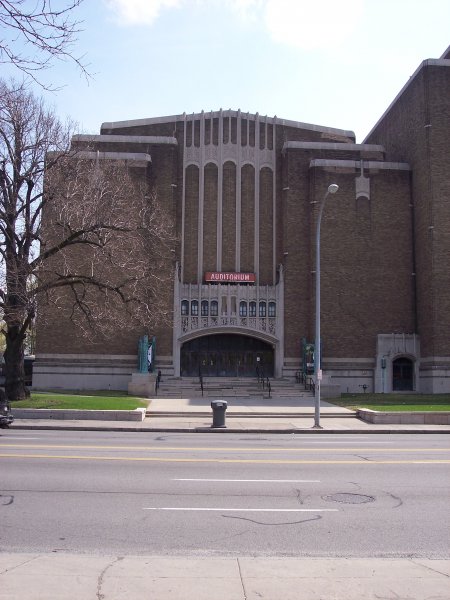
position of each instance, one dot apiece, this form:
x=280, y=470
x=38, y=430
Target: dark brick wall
x=229, y=217
x=296, y=242
x=366, y=263
x=266, y=217
x=210, y=218
x=285, y=133
x=247, y=219
x=367, y=285
x=157, y=129
x=191, y=224
x=56, y=333
x=416, y=129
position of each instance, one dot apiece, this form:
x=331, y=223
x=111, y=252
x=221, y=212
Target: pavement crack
x=363, y=457
x=242, y=580
x=430, y=568
x=230, y=537
x=394, y=596
x=399, y=500
x=355, y=484
x=101, y=577
x=25, y=562
x=316, y=518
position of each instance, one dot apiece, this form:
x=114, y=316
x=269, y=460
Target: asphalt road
x=225, y=495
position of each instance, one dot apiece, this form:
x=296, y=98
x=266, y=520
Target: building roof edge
x=345, y=147
x=430, y=62
x=135, y=139
x=233, y=113
x=370, y=164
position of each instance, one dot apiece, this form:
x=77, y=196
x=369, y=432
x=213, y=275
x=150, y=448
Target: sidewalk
x=249, y=415
x=59, y=576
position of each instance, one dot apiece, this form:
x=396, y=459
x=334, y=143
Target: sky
x=326, y=62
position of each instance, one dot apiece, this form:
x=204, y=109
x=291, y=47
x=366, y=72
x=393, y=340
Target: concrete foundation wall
x=434, y=375
x=83, y=371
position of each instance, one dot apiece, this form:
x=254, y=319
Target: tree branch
x=50, y=33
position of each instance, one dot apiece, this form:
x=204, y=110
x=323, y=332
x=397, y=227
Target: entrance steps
x=228, y=387
x=246, y=398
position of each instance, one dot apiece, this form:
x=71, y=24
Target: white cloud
x=306, y=24
x=246, y=10
x=140, y=12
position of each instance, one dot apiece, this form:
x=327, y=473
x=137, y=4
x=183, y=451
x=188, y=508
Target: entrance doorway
x=226, y=355
x=402, y=374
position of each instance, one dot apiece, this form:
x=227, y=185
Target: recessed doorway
x=402, y=374
x=226, y=355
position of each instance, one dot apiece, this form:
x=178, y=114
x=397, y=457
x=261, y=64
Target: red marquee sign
x=215, y=277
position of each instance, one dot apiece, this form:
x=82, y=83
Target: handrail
x=308, y=382
x=200, y=376
x=263, y=380
x=260, y=375
x=157, y=382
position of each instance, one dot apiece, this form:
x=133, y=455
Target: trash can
x=218, y=407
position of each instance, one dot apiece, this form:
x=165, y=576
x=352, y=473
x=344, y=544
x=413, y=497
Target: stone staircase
x=228, y=387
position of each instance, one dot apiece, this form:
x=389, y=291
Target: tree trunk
x=14, y=368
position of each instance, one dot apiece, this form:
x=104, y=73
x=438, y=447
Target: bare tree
x=35, y=33
x=91, y=240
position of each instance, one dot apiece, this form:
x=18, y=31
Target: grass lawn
x=95, y=400
x=394, y=402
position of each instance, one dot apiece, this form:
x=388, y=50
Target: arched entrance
x=402, y=374
x=226, y=355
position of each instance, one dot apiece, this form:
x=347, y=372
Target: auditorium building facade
x=244, y=192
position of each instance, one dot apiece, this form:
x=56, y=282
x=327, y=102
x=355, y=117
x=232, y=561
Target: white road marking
x=344, y=442
x=339, y=436
x=275, y=510
x=253, y=480
x=22, y=438
x=336, y=438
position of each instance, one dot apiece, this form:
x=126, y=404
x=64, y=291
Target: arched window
x=243, y=309
x=252, y=309
x=272, y=309
x=262, y=309
x=214, y=308
x=184, y=308
x=205, y=307
x=194, y=308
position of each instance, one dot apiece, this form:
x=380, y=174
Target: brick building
x=243, y=191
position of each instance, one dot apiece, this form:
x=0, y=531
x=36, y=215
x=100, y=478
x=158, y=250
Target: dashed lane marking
x=272, y=510
x=250, y=480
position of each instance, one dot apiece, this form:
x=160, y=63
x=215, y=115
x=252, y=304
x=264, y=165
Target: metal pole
x=332, y=189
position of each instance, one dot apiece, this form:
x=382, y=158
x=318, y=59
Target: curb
x=72, y=414
x=287, y=431
x=253, y=415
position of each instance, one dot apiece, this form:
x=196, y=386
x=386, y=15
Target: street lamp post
x=332, y=189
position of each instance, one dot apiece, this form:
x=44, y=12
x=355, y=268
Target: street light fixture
x=332, y=189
